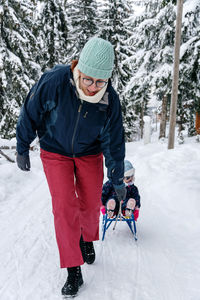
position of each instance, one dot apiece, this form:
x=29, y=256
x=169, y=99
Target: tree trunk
x=163, y=121
x=197, y=123
x=173, y=106
x=141, y=120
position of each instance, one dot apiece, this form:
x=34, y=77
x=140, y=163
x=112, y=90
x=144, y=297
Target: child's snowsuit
x=108, y=193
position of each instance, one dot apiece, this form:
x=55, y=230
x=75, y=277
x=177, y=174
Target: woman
x=77, y=116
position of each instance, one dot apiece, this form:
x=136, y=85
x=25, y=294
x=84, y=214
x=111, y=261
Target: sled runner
x=118, y=218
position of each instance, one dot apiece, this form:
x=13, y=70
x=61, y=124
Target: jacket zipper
x=75, y=127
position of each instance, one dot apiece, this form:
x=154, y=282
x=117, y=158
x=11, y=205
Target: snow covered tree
x=84, y=23
x=36, y=35
x=153, y=41
x=151, y=60
x=116, y=28
x=17, y=65
x=166, y=2
x=189, y=86
x=53, y=35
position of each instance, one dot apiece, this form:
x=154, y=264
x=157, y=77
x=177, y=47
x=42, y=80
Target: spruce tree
x=189, y=86
x=84, y=24
x=152, y=60
x=53, y=35
x=17, y=67
x=117, y=29
x=153, y=41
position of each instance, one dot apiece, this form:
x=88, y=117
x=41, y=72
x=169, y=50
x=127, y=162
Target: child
x=132, y=200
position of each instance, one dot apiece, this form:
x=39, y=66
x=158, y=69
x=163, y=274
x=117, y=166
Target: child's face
x=128, y=179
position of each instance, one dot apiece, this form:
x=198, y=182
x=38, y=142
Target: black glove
x=121, y=192
x=23, y=162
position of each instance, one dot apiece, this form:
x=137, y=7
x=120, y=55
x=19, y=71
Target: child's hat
x=97, y=58
x=129, y=170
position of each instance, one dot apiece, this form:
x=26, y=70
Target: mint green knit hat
x=97, y=58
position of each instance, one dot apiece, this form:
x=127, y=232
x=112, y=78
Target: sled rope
x=118, y=215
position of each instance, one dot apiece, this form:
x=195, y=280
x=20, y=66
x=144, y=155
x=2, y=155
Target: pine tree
x=153, y=40
x=189, y=86
x=17, y=66
x=84, y=24
x=53, y=34
x=117, y=29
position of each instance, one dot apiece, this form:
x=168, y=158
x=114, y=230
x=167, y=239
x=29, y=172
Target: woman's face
x=90, y=85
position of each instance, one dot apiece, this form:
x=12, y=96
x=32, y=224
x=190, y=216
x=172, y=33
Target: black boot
x=87, y=250
x=74, y=281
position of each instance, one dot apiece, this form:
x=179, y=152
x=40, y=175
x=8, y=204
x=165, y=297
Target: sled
x=118, y=218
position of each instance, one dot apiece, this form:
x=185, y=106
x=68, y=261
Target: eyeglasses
x=98, y=83
x=127, y=177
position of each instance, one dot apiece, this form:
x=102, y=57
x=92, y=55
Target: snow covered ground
x=163, y=264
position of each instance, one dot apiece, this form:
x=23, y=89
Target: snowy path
x=163, y=264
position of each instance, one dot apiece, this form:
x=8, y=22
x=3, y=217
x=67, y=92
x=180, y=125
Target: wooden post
x=173, y=106
x=197, y=123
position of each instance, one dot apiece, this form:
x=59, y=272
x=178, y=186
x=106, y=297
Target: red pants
x=75, y=185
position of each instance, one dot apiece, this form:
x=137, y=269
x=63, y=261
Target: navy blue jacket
x=108, y=192
x=72, y=127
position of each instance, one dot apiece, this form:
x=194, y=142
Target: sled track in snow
x=117, y=258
